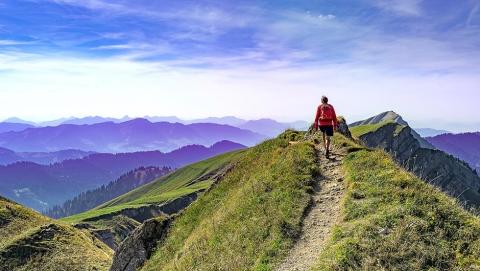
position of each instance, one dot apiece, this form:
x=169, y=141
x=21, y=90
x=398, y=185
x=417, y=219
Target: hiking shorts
x=327, y=129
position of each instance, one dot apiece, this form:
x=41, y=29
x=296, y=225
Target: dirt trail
x=323, y=213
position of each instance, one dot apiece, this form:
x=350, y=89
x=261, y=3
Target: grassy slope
x=394, y=221
x=177, y=184
x=23, y=245
x=360, y=130
x=248, y=221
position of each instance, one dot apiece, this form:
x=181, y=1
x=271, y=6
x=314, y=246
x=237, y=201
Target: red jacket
x=325, y=122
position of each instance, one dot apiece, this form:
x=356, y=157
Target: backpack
x=326, y=112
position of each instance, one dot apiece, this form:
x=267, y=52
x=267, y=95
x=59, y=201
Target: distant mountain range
x=463, y=146
x=428, y=132
x=12, y=126
x=45, y=158
x=42, y=186
x=129, y=136
x=268, y=127
x=93, y=198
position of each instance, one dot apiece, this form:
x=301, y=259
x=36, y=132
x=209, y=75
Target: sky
x=250, y=59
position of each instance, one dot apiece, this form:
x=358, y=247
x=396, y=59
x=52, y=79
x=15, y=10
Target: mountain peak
x=382, y=117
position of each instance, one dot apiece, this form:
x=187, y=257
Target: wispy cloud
x=13, y=42
x=473, y=13
x=400, y=7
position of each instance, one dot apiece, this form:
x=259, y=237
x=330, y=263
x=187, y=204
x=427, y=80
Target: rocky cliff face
x=434, y=166
x=139, y=245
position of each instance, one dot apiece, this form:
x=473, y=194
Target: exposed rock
x=343, y=127
x=106, y=236
x=144, y=213
x=178, y=204
x=453, y=176
x=140, y=244
x=140, y=214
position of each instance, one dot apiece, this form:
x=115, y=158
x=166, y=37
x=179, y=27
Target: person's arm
x=335, y=121
x=317, y=117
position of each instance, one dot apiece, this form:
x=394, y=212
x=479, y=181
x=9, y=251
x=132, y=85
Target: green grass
x=25, y=243
x=394, y=221
x=182, y=182
x=361, y=130
x=248, y=221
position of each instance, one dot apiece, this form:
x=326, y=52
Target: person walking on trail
x=326, y=120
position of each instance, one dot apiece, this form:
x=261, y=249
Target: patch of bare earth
x=322, y=214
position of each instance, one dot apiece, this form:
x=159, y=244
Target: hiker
x=326, y=118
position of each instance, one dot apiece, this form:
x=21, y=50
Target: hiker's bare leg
x=327, y=144
x=324, y=141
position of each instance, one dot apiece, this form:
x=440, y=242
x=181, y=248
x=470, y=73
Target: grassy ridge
x=179, y=183
x=250, y=218
x=360, y=130
x=395, y=221
x=30, y=241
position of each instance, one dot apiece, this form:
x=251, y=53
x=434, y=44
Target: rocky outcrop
x=450, y=174
x=343, y=127
x=144, y=213
x=140, y=244
x=106, y=236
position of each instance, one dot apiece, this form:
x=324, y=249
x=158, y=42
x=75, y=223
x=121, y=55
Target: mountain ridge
x=132, y=135
x=420, y=157
x=41, y=186
x=465, y=146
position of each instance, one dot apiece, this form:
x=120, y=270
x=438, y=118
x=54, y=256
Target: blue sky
x=251, y=59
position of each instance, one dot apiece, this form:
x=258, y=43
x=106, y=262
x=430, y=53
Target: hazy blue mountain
x=94, y=120
x=8, y=156
x=55, y=122
x=18, y=120
x=129, y=136
x=271, y=127
x=13, y=127
x=428, y=132
x=228, y=120
x=171, y=119
x=42, y=186
x=464, y=146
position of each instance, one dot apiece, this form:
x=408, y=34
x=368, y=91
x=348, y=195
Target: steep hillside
x=43, y=186
x=30, y=241
x=129, y=136
x=250, y=218
x=92, y=198
x=463, y=146
x=184, y=182
x=113, y=221
x=418, y=156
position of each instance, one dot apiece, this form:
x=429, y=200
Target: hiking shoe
x=327, y=154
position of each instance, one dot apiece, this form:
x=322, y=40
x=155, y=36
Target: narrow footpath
x=323, y=213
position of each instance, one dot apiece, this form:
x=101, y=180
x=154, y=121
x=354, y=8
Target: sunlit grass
x=394, y=221
x=249, y=220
